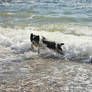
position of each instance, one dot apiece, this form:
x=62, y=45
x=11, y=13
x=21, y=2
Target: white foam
x=19, y=41
x=4, y=41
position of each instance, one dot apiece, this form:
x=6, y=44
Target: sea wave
x=27, y=12
x=76, y=47
x=76, y=30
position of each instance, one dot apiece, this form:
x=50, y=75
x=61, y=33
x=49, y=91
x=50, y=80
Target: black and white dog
x=39, y=42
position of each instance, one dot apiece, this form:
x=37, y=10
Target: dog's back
x=52, y=45
x=49, y=44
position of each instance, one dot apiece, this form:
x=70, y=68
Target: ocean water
x=26, y=12
x=67, y=21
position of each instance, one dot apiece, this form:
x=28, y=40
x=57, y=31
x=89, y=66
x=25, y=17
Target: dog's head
x=34, y=38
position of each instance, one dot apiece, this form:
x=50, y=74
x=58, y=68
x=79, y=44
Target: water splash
x=76, y=47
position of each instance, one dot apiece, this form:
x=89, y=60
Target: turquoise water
x=26, y=12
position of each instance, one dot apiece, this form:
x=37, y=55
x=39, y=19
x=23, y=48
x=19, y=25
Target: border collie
x=39, y=42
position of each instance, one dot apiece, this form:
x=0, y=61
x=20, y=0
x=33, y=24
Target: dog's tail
x=59, y=49
x=61, y=44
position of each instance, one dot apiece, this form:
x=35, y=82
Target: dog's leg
x=60, y=52
x=38, y=50
x=32, y=47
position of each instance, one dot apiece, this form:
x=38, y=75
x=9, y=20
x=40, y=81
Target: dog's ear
x=43, y=38
x=31, y=36
x=38, y=38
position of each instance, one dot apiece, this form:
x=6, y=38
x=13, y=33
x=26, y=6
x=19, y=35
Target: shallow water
x=45, y=75
x=24, y=70
x=26, y=12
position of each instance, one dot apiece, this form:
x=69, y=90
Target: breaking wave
x=15, y=43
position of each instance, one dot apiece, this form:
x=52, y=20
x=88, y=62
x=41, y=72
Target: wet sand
x=45, y=75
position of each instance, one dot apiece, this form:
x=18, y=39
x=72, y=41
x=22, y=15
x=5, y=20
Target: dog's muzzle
x=33, y=41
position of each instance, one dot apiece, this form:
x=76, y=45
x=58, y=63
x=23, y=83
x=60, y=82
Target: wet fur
x=41, y=42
